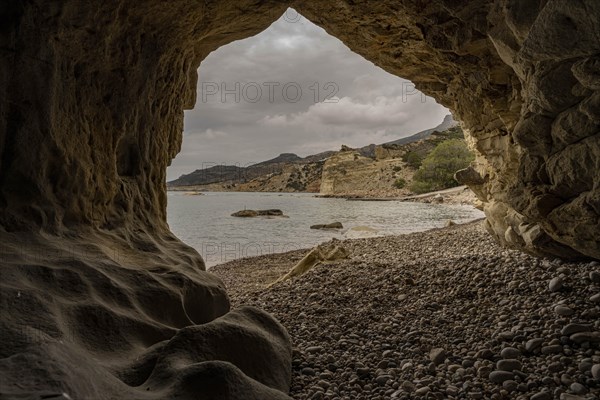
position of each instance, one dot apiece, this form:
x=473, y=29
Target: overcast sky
x=294, y=89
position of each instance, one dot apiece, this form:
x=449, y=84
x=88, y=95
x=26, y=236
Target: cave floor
x=440, y=314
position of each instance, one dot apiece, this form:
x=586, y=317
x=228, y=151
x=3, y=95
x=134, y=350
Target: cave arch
x=77, y=80
x=527, y=96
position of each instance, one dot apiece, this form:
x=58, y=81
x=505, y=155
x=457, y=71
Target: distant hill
x=232, y=174
x=207, y=176
x=282, y=158
x=290, y=172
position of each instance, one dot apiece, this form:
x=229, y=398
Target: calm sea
x=205, y=222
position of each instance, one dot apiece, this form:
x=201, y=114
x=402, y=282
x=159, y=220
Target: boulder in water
x=333, y=225
x=256, y=213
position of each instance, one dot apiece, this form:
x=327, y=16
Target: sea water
x=205, y=222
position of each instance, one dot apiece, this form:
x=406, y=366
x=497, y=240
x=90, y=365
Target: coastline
x=456, y=195
x=430, y=314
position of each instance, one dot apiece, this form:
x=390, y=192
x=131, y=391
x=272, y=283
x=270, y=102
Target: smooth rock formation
x=95, y=289
x=321, y=254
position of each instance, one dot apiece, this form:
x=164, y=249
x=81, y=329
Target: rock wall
x=91, y=115
x=522, y=77
x=99, y=299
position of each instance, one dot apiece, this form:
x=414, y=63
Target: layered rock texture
x=106, y=303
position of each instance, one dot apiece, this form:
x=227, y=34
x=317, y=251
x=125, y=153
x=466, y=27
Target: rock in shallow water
x=333, y=225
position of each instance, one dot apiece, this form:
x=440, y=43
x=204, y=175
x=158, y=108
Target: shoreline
x=431, y=315
x=456, y=195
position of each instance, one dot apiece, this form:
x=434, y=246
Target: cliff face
x=91, y=115
x=526, y=92
x=350, y=173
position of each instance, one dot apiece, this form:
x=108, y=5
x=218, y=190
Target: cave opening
x=101, y=300
x=270, y=110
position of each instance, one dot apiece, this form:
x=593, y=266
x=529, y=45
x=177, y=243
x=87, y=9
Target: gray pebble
x=509, y=365
x=570, y=329
x=510, y=385
x=542, y=396
x=500, y=376
x=563, y=311
x=554, y=349
x=510, y=352
x=382, y=379
x=596, y=371
x=314, y=349
x=437, y=356
x=582, y=337
x=533, y=344
x=556, y=284
x=567, y=396
x=585, y=365
x=423, y=391
x=578, y=388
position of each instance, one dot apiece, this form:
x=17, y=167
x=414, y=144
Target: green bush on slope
x=438, y=168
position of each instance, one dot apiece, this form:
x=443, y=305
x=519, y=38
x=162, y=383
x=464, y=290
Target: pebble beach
x=442, y=314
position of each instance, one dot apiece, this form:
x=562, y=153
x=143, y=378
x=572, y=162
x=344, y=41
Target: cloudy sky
x=294, y=89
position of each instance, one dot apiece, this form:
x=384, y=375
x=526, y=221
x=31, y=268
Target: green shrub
x=397, y=168
x=400, y=183
x=438, y=168
x=413, y=159
x=421, y=187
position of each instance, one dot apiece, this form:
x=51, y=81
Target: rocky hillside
x=371, y=170
x=447, y=123
x=228, y=176
x=388, y=173
x=285, y=173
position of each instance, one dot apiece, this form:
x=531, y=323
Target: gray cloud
x=294, y=88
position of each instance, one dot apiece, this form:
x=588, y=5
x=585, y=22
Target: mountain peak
x=447, y=123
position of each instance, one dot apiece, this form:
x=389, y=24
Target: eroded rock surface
x=91, y=115
x=521, y=77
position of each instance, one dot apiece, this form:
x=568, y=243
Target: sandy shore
x=443, y=314
x=456, y=195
